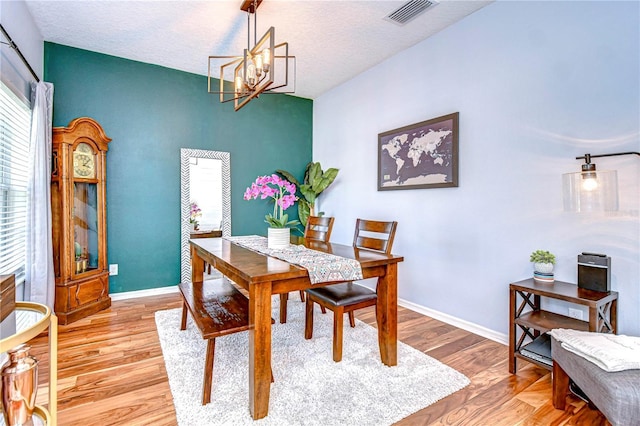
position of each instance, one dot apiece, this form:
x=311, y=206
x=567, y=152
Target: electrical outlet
x=113, y=269
x=575, y=313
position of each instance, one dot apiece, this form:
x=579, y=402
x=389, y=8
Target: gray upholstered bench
x=616, y=394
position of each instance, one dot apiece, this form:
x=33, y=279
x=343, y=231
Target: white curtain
x=40, y=284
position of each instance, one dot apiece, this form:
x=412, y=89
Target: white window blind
x=15, y=119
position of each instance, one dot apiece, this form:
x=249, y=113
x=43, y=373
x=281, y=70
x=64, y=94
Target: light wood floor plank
x=111, y=372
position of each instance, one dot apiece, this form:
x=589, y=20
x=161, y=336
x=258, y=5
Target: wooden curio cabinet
x=78, y=206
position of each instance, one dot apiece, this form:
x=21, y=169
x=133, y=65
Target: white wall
x=17, y=21
x=536, y=84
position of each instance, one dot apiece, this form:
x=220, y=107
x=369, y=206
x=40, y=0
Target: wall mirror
x=205, y=177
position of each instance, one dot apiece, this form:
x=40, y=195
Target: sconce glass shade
x=590, y=191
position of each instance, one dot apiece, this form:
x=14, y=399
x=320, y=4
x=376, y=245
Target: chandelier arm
x=264, y=75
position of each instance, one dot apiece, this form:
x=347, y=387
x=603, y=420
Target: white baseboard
x=449, y=319
x=144, y=293
x=460, y=323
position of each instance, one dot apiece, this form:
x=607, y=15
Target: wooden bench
x=218, y=309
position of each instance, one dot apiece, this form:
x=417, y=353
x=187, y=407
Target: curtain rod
x=12, y=45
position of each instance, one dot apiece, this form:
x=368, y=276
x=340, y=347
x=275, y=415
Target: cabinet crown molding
x=86, y=126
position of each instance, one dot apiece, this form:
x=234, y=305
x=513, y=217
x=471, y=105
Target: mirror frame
x=185, y=202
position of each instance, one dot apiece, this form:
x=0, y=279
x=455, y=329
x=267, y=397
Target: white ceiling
x=333, y=40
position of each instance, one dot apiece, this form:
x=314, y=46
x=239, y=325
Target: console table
x=534, y=321
x=212, y=233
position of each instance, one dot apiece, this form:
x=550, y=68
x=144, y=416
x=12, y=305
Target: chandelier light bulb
x=239, y=84
x=251, y=74
x=259, y=65
x=266, y=57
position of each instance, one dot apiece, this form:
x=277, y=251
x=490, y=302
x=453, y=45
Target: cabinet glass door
x=85, y=224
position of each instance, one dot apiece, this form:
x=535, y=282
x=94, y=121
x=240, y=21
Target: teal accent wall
x=151, y=112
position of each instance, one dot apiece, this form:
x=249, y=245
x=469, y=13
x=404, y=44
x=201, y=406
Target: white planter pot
x=545, y=268
x=278, y=238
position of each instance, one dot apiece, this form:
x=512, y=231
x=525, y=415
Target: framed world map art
x=422, y=155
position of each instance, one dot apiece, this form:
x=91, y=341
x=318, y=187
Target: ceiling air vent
x=409, y=10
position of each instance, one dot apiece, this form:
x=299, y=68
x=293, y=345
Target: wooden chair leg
x=272, y=379
x=323, y=309
x=352, y=319
x=308, y=319
x=208, y=372
x=183, y=324
x=560, y=386
x=338, y=316
x=209, y=268
x=302, y=295
x=283, y=307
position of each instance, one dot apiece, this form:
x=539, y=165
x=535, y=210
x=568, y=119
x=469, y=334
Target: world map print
x=422, y=155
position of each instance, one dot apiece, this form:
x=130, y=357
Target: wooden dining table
x=263, y=276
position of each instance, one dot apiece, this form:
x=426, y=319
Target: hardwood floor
x=111, y=372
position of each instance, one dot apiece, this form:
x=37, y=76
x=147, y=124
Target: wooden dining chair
x=318, y=229
x=348, y=297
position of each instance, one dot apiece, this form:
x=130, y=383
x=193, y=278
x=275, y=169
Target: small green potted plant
x=543, y=261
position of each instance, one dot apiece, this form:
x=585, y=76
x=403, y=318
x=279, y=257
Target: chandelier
x=263, y=68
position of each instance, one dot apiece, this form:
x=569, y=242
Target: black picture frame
x=419, y=156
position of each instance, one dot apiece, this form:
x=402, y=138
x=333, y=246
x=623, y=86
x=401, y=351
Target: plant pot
x=545, y=268
x=278, y=238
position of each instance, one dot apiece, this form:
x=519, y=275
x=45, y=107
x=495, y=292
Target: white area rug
x=309, y=388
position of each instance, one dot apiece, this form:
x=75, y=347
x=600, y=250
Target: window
x=15, y=120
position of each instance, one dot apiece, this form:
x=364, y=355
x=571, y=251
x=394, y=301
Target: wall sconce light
x=591, y=190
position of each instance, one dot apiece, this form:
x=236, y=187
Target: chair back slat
x=319, y=228
x=375, y=235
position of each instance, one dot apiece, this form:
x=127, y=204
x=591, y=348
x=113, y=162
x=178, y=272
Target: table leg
x=259, y=349
x=197, y=267
x=387, y=315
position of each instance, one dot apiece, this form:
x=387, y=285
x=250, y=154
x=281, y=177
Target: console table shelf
x=531, y=320
x=545, y=321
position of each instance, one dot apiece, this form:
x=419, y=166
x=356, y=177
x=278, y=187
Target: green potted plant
x=314, y=183
x=543, y=261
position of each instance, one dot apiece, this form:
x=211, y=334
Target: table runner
x=322, y=267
